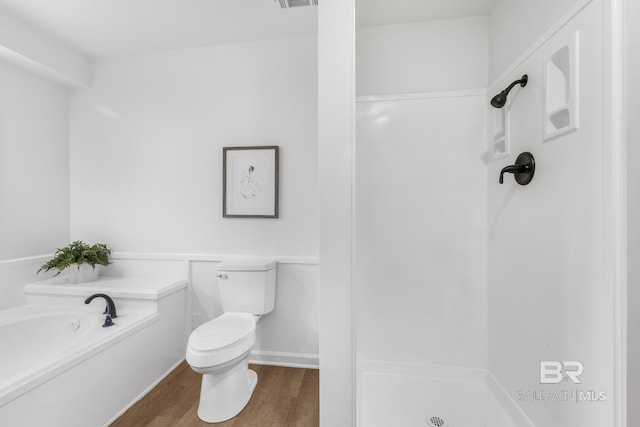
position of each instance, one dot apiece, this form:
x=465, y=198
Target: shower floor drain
x=436, y=422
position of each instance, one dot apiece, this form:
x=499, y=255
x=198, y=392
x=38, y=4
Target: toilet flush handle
x=221, y=275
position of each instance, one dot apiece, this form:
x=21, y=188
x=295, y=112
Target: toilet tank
x=247, y=286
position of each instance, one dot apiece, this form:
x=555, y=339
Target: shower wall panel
x=549, y=298
x=420, y=259
x=514, y=25
x=420, y=220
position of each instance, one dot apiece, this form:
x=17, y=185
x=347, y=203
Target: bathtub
x=47, y=340
x=60, y=367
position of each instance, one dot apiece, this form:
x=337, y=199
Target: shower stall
x=474, y=303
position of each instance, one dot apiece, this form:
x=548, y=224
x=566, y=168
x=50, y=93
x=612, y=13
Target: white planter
x=86, y=273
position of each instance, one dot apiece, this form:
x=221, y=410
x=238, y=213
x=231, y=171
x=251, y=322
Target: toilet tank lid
x=247, y=265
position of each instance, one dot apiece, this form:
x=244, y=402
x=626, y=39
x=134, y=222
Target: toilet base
x=224, y=394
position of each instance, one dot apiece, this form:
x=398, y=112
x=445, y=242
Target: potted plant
x=81, y=260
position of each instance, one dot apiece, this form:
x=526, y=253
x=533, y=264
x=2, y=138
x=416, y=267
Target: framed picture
x=250, y=182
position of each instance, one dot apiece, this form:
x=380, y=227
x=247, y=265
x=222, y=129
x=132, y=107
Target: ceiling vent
x=296, y=3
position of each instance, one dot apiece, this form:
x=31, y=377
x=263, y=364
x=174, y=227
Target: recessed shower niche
x=561, y=90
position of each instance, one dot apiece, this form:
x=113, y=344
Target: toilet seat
x=220, y=340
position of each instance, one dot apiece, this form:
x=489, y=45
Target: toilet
x=219, y=349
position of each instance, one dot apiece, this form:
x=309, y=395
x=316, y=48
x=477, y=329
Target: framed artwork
x=250, y=182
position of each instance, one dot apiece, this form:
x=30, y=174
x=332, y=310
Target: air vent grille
x=297, y=3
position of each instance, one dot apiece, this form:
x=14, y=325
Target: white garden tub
x=60, y=367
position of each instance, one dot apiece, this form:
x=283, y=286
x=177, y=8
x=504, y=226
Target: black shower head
x=500, y=99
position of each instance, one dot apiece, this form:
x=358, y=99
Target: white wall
x=422, y=57
x=34, y=177
x=420, y=263
x=632, y=11
x=336, y=121
x=34, y=164
x=34, y=151
x=14, y=274
x=549, y=296
x=146, y=148
x=514, y=25
x=146, y=170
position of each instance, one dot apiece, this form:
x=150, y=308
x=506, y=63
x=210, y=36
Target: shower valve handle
x=523, y=169
x=512, y=169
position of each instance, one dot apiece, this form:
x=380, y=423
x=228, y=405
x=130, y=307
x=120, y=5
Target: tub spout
x=110, y=311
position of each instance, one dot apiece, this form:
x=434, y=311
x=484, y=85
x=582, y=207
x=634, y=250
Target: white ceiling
x=100, y=28
x=384, y=12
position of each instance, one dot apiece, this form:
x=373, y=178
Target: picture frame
x=250, y=182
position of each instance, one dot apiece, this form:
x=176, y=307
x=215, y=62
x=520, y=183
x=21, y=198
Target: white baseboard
x=288, y=360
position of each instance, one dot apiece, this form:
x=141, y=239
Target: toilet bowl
x=219, y=349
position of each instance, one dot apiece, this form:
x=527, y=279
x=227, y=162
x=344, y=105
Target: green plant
x=78, y=252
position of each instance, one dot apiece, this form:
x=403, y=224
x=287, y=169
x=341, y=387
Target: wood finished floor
x=283, y=397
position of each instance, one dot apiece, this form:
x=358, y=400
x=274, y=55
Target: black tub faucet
x=110, y=310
